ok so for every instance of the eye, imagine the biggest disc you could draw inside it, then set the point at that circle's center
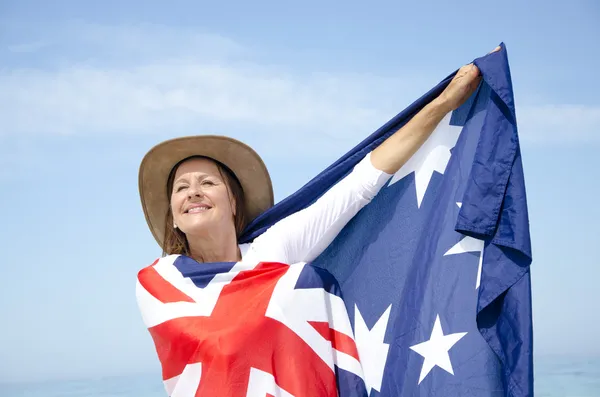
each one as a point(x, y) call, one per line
point(180, 188)
point(207, 182)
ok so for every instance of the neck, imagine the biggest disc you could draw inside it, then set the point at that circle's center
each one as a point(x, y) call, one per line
point(215, 247)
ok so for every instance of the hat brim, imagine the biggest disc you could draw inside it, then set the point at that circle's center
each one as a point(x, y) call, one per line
point(157, 164)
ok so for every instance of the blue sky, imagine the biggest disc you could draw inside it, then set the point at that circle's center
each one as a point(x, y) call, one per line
point(86, 90)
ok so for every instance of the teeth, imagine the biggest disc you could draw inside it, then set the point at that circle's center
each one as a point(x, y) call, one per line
point(197, 209)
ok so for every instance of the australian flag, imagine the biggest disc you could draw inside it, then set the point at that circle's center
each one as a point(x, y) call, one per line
point(434, 272)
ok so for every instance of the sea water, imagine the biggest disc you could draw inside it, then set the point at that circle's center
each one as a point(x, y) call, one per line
point(554, 377)
point(567, 376)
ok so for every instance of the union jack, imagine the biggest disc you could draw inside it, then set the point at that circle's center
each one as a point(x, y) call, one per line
point(246, 329)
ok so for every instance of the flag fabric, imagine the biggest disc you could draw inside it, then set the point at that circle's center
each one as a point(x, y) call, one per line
point(425, 292)
point(247, 329)
point(434, 272)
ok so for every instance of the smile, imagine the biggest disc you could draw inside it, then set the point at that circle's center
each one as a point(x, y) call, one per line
point(195, 210)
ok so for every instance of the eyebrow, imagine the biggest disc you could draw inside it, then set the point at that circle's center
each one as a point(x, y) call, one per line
point(183, 179)
point(180, 180)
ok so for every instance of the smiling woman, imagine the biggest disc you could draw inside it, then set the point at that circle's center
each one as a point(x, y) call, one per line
point(210, 301)
point(217, 190)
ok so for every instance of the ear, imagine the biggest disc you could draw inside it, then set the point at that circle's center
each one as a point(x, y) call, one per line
point(232, 201)
point(233, 205)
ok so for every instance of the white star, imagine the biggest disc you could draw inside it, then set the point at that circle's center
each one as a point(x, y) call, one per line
point(433, 155)
point(435, 350)
point(469, 244)
point(371, 349)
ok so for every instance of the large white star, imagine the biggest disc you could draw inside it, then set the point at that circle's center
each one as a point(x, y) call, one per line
point(469, 244)
point(435, 350)
point(433, 155)
point(371, 349)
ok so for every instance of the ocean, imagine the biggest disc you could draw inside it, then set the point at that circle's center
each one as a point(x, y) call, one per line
point(554, 377)
point(567, 377)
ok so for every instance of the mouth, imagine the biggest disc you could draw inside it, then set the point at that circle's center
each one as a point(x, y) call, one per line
point(197, 209)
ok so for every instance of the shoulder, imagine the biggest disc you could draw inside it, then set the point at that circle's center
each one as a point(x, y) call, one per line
point(161, 261)
point(268, 247)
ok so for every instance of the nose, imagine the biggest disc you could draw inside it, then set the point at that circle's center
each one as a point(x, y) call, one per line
point(195, 191)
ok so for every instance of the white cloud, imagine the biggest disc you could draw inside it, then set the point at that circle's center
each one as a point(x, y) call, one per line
point(182, 97)
point(114, 80)
point(87, 99)
point(151, 79)
point(80, 98)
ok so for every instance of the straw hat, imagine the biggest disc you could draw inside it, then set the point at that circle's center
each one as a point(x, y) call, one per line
point(157, 164)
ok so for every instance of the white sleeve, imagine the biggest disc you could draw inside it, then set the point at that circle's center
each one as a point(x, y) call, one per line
point(303, 236)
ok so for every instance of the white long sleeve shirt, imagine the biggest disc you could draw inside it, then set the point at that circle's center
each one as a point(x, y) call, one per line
point(304, 235)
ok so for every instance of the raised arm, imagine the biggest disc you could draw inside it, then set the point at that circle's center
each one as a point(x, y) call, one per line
point(395, 151)
point(303, 236)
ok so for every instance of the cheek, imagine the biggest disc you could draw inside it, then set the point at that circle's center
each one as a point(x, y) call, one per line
point(175, 205)
point(224, 202)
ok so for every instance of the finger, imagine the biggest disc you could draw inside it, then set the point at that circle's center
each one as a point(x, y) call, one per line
point(470, 69)
point(476, 82)
point(465, 69)
point(495, 50)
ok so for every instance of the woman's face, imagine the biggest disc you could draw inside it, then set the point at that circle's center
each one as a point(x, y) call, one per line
point(200, 199)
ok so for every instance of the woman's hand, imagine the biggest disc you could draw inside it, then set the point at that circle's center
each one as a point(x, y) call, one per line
point(462, 86)
point(395, 151)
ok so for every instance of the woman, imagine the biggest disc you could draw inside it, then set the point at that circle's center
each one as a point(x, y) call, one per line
point(198, 193)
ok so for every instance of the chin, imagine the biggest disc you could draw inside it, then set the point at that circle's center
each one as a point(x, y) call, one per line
point(198, 226)
point(196, 229)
